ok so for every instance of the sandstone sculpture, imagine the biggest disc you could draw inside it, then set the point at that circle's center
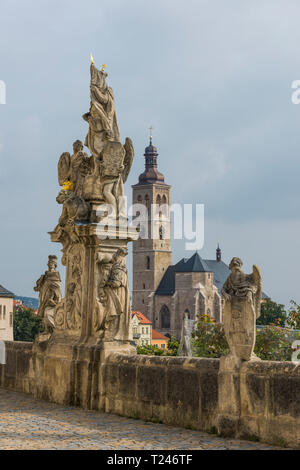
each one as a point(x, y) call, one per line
point(185, 348)
point(242, 295)
point(113, 304)
point(49, 288)
point(96, 307)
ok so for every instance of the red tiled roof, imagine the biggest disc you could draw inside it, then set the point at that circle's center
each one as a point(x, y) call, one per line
point(157, 335)
point(144, 320)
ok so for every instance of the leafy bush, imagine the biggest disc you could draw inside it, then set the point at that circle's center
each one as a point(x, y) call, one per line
point(173, 346)
point(209, 339)
point(273, 344)
point(26, 324)
point(293, 320)
point(150, 350)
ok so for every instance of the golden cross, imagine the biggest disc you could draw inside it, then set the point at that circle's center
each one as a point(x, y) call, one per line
point(151, 128)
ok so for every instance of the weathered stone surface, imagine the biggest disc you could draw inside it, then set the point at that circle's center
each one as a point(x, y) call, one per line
point(173, 390)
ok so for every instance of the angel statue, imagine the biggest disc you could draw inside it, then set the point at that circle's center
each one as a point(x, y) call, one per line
point(242, 294)
point(49, 288)
point(73, 169)
point(101, 117)
point(115, 164)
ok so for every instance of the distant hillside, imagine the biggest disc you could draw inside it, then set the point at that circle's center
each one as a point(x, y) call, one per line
point(28, 301)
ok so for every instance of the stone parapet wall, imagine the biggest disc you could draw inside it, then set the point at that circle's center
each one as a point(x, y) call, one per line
point(187, 392)
point(171, 390)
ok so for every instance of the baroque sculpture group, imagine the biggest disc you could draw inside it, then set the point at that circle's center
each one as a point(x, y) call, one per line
point(97, 302)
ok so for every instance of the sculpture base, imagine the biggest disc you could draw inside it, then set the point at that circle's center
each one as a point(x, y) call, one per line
point(69, 372)
point(229, 393)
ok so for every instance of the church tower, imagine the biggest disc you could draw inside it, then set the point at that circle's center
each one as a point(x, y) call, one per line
point(151, 252)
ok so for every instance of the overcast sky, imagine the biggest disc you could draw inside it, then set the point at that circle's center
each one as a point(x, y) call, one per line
point(212, 77)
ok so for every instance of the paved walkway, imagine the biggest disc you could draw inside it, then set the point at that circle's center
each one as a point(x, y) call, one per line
point(29, 424)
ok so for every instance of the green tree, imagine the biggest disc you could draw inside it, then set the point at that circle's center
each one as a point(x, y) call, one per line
point(173, 346)
point(272, 313)
point(209, 339)
point(273, 344)
point(26, 324)
point(293, 320)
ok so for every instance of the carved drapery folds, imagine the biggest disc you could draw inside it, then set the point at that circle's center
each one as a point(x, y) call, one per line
point(49, 288)
point(112, 309)
point(242, 295)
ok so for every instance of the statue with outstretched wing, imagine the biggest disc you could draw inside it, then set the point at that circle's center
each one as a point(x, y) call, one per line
point(128, 159)
point(64, 167)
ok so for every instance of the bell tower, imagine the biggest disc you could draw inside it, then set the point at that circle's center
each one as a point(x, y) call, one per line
point(152, 251)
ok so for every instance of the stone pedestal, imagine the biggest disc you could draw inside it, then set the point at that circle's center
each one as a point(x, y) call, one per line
point(229, 395)
point(67, 365)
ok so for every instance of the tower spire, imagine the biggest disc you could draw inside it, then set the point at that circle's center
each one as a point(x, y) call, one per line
point(151, 173)
point(218, 253)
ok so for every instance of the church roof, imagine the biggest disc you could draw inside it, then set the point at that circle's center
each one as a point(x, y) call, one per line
point(195, 263)
point(6, 293)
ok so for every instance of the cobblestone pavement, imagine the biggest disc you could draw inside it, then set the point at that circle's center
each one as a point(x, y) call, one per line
point(29, 424)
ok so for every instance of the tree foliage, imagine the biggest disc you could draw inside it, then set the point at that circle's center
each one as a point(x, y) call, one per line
point(173, 346)
point(209, 339)
point(273, 344)
point(26, 324)
point(293, 319)
point(272, 313)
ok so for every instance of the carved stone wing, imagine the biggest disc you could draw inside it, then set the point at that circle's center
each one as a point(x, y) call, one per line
point(63, 167)
point(128, 146)
point(258, 282)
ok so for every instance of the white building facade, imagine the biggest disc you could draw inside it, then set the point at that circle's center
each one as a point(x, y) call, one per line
point(6, 315)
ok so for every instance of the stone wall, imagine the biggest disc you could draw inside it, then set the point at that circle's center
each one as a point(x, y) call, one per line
point(173, 390)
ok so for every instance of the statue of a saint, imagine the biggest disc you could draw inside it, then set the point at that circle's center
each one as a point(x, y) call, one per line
point(113, 298)
point(242, 294)
point(49, 288)
point(102, 118)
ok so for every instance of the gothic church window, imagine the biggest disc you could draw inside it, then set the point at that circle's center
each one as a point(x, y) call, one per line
point(165, 317)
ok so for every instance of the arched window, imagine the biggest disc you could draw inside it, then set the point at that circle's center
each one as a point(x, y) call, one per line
point(161, 233)
point(187, 313)
point(165, 317)
point(139, 199)
point(147, 201)
point(158, 199)
point(147, 262)
point(164, 199)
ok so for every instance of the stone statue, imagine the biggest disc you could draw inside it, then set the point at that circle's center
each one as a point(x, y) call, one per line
point(96, 305)
point(116, 161)
point(74, 169)
point(49, 288)
point(185, 348)
point(101, 117)
point(75, 209)
point(242, 294)
point(113, 302)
